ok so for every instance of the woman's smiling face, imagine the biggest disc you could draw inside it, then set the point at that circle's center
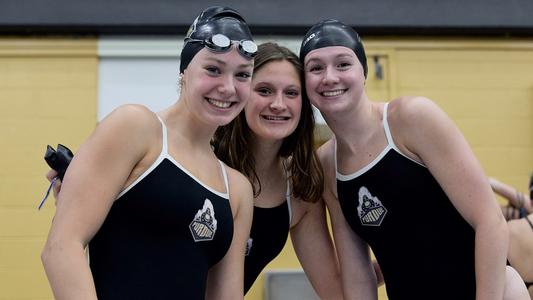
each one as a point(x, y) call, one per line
point(273, 110)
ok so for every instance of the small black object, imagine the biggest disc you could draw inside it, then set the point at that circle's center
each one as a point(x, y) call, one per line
point(58, 159)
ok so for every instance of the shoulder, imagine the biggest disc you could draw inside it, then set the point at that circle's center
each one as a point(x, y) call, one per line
point(416, 117)
point(132, 115)
point(130, 120)
point(326, 152)
point(412, 109)
point(131, 128)
point(326, 156)
point(240, 190)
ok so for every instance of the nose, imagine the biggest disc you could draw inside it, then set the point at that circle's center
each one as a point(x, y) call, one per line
point(330, 76)
point(278, 103)
point(226, 86)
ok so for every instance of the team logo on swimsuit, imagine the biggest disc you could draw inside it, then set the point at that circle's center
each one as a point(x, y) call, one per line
point(204, 224)
point(371, 211)
point(249, 244)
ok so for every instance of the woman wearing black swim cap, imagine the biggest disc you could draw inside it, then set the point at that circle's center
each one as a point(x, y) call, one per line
point(162, 216)
point(402, 179)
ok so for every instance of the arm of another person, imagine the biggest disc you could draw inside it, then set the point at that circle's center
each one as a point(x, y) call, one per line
point(95, 176)
point(515, 197)
point(429, 133)
point(314, 248)
point(357, 274)
point(226, 279)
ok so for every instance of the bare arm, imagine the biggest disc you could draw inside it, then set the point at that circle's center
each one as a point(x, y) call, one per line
point(314, 248)
point(426, 131)
point(226, 279)
point(357, 274)
point(94, 178)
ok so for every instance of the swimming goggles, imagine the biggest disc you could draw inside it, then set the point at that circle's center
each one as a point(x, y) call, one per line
point(220, 43)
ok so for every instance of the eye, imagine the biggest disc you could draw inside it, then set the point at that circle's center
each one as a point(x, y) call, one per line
point(263, 91)
point(243, 76)
point(292, 93)
point(344, 65)
point(212, 70)
point(314, 68)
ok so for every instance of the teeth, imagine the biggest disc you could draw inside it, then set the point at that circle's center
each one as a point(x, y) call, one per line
point(275, 118)
point(333, 93)
point(219, 104)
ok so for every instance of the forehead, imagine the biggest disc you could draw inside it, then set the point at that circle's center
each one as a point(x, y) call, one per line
point(229, 58)
point(277, 70)
point(328, 53)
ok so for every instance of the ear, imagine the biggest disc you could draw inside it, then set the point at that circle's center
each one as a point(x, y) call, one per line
point(181, 78)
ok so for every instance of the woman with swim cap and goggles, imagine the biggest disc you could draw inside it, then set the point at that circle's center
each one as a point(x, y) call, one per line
point(278, 123)
point(400, 178)
point(162, 217)
point(277, 90)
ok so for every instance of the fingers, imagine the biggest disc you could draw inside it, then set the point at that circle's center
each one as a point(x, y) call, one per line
point(51, 174)
point(513, 213)
point(510, 213)
point(57, 185)
point(529, 205)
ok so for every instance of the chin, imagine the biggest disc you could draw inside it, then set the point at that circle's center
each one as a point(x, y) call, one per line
point(223, 122)
point(278, 136)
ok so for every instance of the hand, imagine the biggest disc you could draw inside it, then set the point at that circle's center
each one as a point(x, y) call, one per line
point(57, 185)
point(510, 212)
point(528, 205)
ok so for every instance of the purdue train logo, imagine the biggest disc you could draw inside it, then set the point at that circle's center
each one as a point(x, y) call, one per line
point(204, 225)
point(249, 244)
point(371, 211)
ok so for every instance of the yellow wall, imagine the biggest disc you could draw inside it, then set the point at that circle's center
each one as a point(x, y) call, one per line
point(485, 86)
point(48, 95)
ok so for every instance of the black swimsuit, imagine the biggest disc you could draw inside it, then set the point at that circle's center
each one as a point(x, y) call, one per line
point(268, 235)
point(161, 235)
point(421, 241)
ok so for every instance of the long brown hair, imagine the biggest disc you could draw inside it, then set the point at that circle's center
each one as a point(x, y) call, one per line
point(232, 142)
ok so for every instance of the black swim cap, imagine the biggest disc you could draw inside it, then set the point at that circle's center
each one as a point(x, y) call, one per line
point(333, 33)
point(211, 21)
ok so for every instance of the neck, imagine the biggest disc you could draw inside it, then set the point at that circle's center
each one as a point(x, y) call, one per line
point(354, 123)
point(186, 126)
point(266, 155)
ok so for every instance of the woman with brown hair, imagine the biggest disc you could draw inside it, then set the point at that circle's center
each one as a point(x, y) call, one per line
point(271, 142)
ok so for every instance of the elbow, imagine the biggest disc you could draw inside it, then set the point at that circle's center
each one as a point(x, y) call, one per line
point(494, 226)
point(52, 251)
point(47, 255)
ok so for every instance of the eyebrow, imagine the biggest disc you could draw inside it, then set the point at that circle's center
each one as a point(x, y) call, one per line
point(247, 65)
point(342, 55)
point(270, 84)
point(310, 61)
